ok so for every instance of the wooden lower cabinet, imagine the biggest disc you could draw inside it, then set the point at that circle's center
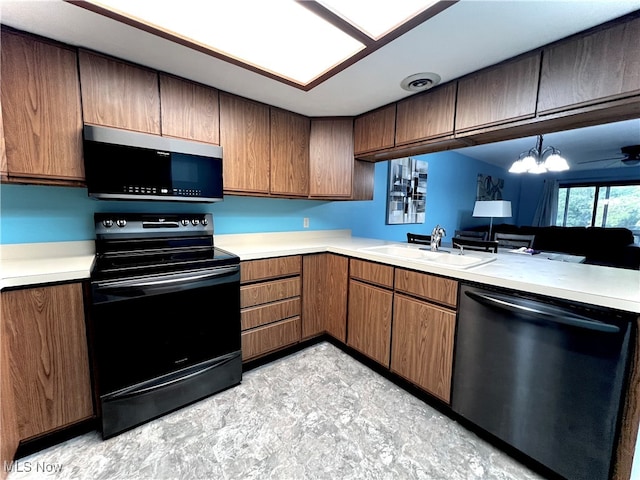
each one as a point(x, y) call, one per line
point(9, 436)
point(369, 320)
point(270, 305)
point(324, 302)
point(422, 346)
point(48, 359)
point(268, 338)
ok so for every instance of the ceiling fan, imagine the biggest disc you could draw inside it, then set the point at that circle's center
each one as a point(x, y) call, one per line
point(629, 156)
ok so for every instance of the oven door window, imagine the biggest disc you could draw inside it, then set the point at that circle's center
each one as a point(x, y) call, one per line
point(142, 335)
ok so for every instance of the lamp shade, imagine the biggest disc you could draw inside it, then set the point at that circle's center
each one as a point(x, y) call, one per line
point(492, 208)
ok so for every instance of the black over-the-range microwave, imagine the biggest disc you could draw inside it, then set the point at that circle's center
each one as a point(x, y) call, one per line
point(125, 165)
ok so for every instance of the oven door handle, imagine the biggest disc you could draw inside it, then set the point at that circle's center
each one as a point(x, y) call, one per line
point(172, 280)
point(170, 379)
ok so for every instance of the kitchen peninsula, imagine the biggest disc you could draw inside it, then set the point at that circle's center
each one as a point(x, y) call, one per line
point(615, 289)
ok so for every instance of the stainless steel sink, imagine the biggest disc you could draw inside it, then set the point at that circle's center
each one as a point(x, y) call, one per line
point(419, 254)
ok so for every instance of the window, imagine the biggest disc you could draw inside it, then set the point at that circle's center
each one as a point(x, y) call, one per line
point(600, 205)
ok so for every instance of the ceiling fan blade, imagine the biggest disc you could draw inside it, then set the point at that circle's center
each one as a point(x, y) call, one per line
point(601, 160)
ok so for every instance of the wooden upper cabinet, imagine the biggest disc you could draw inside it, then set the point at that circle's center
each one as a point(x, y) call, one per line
point(48, 357)
point(426, 115)
point(331, 157)
point(118, 94)
point(375, 130)
point(3, 146)
point(40, 99)
point(363, 180)
point(604, 65)
point(245, 140)
point(189, 110)
point(289, 153)
point(500, 94)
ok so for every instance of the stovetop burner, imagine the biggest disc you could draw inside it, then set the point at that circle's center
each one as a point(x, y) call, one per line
point(143, 244)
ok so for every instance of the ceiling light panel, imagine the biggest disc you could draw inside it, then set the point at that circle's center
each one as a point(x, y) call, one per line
point(376, 18)
point(278, 36)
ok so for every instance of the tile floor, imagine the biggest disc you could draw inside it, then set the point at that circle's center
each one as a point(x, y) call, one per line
point(316, 414)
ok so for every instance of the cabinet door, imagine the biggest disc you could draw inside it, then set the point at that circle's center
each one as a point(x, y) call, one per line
point(604, 65)
point(244, 136)
point(118, 94)
point(48, 357)
point(331, 158)
point(499, 94)
point(41, 110)
point(9, 436)
point(363, 180)
point(289, 153)
point(324, 295)
point(422, 346)
point(427, 115)
point(189, 110)
point(369, 321)
point(375, 130)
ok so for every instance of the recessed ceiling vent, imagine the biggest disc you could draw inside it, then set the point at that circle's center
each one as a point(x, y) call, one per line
point(420, 81)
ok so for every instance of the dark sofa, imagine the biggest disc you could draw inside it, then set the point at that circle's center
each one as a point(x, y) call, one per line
point(612, 247)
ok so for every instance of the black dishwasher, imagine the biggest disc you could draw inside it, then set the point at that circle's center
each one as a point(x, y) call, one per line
point(546, 376)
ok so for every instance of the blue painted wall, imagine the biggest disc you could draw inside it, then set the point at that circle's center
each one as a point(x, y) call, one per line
point(451, 193)
point(55, 214)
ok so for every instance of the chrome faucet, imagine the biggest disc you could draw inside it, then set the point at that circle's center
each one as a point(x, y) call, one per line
point(436, 237)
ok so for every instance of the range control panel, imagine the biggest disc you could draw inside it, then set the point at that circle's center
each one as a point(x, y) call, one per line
point(110, 224)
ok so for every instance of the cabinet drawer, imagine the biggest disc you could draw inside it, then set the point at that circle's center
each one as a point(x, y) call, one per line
point(422, 345)
point(372, 272)
point(266, 292)
point(270, 337)
point(270, 268)
point(272, 312)
point(429, 287)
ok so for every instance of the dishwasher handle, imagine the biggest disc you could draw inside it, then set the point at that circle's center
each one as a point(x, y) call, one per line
point(535, 309)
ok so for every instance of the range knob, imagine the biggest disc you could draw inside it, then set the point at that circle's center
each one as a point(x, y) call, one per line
point(121, 222)
point(184, 222)
point(107, 223)
point(204, 221)
point(195, 221)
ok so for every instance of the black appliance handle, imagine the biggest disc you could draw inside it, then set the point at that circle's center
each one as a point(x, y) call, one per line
point(170, 379)
point(170, 279)
point(541, 310)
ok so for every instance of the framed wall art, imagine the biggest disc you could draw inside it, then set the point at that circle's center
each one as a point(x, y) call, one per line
point(489, 188)
point(407, 191)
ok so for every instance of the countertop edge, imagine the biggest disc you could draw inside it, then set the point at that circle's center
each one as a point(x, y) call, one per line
point(22, 272)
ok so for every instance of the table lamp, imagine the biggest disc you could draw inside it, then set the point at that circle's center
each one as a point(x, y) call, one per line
point(492, 208)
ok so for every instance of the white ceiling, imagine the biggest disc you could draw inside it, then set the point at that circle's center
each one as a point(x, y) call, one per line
point(469, 35)
point(587, 144)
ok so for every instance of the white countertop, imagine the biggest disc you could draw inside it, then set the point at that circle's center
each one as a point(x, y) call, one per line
point(24, 264)
point(29, 264)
